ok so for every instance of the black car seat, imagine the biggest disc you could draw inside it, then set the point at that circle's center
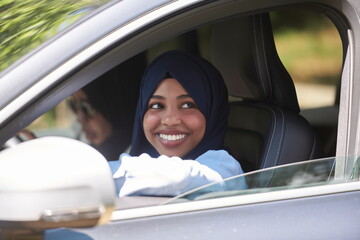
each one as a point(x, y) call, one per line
point(265, 127)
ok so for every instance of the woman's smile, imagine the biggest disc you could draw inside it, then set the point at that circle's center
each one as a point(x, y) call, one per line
point(167, 137)
point(170, 140)
point(173, 124)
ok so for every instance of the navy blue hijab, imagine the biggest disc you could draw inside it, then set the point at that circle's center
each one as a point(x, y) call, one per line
point(204, 84)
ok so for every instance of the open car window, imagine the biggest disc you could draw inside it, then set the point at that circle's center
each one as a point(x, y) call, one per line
point(315, 84)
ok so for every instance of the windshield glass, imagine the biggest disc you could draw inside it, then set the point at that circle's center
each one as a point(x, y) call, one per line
point(298, 175)
point(26, 24)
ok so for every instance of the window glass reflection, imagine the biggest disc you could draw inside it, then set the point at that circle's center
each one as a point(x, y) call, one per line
point(298, 175)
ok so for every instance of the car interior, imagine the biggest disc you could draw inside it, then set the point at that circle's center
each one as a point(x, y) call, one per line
point(267, 125)
point(264, 126)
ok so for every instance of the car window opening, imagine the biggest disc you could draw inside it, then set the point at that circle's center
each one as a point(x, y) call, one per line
point(252, 138)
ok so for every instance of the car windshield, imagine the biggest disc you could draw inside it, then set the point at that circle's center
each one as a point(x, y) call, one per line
point(26, 24)
point(298, 175)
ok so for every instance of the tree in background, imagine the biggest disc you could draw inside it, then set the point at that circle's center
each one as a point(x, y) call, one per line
point(25, 24)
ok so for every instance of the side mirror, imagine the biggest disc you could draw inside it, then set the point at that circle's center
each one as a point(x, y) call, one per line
point(54, 182)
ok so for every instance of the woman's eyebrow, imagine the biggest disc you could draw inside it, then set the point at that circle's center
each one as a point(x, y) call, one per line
point(184, 96)
point(157, 97)
point(178, 97)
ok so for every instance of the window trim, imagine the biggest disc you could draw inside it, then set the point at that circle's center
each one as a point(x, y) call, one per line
point(345, 114)
point(258, 198)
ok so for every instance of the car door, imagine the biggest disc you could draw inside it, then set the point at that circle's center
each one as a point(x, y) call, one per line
point(303, 200)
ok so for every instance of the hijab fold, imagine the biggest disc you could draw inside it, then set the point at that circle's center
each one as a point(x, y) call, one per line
point(204, 84)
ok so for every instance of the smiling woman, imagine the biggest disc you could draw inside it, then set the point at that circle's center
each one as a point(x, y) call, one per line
point(182, 114)
point(173, 124)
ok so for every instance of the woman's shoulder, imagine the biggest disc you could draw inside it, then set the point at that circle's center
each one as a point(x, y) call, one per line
point(216, 153)
point(219, 156)
point(221, 161)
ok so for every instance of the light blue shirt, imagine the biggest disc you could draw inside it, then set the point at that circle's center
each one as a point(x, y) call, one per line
point(171, 176)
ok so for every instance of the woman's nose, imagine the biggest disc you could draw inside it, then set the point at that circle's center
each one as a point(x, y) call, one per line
point(171, 118)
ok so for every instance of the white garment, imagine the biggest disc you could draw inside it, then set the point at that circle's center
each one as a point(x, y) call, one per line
point(171, 176)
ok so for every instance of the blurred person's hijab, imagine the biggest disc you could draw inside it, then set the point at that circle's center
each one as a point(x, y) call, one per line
point(114, 95)
point(204, 84)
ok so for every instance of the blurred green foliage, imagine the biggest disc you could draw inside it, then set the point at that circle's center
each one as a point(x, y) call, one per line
point(309, 45)
point(25, 24)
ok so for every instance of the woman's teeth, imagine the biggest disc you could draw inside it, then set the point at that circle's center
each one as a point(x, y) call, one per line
point(172, 137)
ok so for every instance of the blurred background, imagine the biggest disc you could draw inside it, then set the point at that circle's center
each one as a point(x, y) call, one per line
point(310, 47)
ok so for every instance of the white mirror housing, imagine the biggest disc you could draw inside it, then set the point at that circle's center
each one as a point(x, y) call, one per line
point(54, 182)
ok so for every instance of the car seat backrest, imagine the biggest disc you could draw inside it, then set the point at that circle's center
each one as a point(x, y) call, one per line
point(265, 127)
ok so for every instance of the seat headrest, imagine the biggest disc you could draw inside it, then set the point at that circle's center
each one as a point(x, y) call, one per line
point(244, 51)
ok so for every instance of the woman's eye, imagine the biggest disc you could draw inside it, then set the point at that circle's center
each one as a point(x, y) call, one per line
point(155, 106)
point(189, 105)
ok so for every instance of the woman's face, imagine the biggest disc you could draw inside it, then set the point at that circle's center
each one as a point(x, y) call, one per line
point(94, 125)
point(173, 124)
